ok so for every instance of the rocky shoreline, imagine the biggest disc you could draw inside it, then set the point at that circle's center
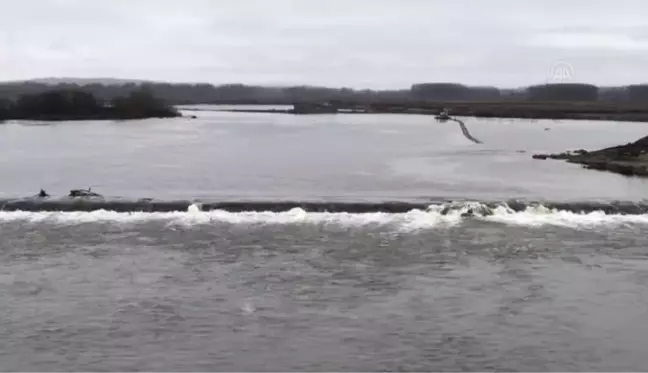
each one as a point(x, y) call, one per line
point(630, 159)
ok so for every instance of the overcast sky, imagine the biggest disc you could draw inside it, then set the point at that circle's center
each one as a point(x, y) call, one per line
point(353, 43)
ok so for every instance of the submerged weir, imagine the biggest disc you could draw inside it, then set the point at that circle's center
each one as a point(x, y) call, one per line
point(33, 204)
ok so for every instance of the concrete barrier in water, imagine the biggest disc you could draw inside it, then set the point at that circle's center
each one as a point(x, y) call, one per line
point(465, 132)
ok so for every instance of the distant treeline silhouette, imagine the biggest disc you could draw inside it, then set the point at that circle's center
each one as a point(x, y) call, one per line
point(68, 103)
point(177, 94)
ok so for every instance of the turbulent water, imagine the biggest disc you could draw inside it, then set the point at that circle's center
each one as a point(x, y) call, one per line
point(277, 249)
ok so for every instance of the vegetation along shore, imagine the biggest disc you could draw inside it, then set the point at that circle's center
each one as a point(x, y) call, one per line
point(521, 110)
point(76, 104)
point(545, 101)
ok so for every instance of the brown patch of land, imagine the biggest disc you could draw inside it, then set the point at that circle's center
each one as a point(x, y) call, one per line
point(503, 109)
point(630, 159)
point(551, 110)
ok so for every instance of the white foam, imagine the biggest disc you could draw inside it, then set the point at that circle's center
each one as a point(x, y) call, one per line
point(539, 215)
point(409, 221)
point(415, 219)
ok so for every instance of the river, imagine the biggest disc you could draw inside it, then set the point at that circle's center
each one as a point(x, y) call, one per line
point(537, 289)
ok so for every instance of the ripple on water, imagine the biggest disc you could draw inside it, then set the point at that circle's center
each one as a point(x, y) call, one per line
point(287, 298)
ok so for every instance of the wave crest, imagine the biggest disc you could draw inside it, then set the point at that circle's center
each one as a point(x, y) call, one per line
point(441, 215)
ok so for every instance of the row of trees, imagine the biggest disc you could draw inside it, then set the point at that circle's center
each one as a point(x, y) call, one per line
point(546, 92)
point(178, 94)
point(454, 92)
point(70, 104)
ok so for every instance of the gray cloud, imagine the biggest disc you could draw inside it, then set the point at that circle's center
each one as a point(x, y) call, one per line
point(359, 43)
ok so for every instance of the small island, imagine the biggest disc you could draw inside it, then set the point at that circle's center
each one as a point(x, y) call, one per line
point(630, 159)
point(70, 104)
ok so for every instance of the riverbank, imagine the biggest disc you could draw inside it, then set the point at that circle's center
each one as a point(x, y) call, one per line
point(77, 105)
point(630, 159)
point(522, 110)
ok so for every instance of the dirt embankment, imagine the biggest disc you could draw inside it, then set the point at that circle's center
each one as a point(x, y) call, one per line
point(630, 159)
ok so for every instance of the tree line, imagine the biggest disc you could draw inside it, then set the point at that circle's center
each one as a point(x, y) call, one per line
point(178, 94)
point(66, 103)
